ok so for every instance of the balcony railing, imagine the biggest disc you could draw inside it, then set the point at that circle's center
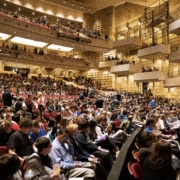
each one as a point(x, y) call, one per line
point(128, 44)
point(172, 82)
point(105, 64)
point(156, 51)
point(174, 57)
point(174, 27)
point(125, 69)
point(153, 76)
point(46, 60)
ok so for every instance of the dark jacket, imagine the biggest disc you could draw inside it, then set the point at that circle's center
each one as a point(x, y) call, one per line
point(79, 152)
point(35, 169)
point(85, 142)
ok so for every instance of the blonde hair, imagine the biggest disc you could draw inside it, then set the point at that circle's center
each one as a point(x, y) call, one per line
point(71, 127)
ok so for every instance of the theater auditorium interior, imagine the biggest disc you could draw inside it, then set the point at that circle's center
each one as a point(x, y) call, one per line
point(106, 45)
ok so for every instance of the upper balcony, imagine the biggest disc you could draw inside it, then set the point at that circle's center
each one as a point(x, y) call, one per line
point(128, 44)
point(174, 57)
point(23, 28)
point(156, 51)
point(174, 27)
point(125, 69)
point(107, 64)
point(172, 82)
point(153, 76)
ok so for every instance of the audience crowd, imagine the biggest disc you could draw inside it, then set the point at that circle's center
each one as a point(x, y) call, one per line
point(80, 136)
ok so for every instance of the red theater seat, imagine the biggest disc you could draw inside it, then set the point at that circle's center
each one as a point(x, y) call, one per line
point(3, 150)
point(135, 169)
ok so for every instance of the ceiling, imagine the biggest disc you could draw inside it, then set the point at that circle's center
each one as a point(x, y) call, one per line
point(92, 6)
point(86, 6)
point(100, 4)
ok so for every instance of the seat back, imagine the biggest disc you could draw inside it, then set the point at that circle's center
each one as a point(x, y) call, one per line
point(135, 169)
point(3, 150)
point(135, 154)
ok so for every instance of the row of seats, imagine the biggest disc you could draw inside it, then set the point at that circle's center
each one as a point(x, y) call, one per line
point(135, 166)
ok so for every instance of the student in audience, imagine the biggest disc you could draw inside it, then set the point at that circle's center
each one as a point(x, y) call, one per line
point(106, 129)
point(5, 132)
point(61, 153)
point(83, 138)
point(36, 131)
point(15, 126)
point(9, 167)
point(144, 143)
point(158, 164)
point(19, 142)
point(82, 155)
point(104, 141)
point(39, 164)
point(7, 97)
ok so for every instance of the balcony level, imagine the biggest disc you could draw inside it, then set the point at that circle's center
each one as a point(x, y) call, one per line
point(125, 69)
point(156, 51)
point(8, 55)
point(128, 44)
point(172, 82)
point(174, 56)
point(174, 27)
point(107, 64)
point(153, 76)
point(25, 29)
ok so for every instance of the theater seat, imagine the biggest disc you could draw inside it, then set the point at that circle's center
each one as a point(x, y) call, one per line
point(135, 169)
point(135, 155)
point(3, 150)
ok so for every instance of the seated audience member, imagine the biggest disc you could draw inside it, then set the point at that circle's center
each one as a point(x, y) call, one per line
point(82, 155)
point(137, 119)
point(42, 121)
point(61, 153)
point(161, 124)
point(151, 127)
point(104, 141)
point(19, 104)
point(102, 129)
point(19, 142)
point(127, 125)
point(79, 153)
point(52, 126)
point(144, 142)
point(2, 111)
point(9, 116)
point(5, 132)
point(36, 131)
point(151, 124)
point(39, 164)
point(9, 167)
point(83, 138)
point(158, 164)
